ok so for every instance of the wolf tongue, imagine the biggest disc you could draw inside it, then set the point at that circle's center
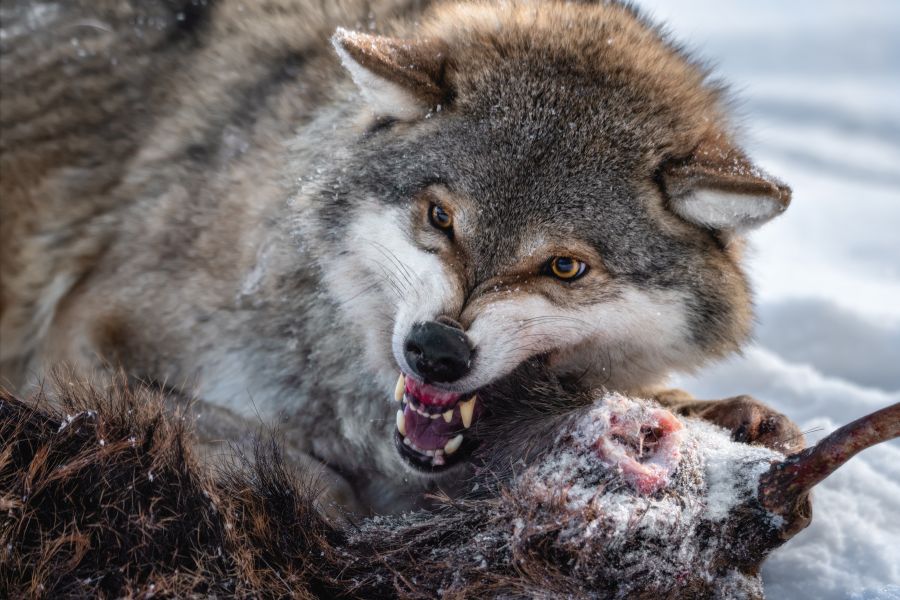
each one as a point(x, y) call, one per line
point(428, 434)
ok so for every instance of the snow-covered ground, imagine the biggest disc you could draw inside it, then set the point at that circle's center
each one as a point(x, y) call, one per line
point(819, 90)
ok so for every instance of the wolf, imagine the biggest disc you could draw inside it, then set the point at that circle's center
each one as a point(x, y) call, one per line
point(350, 220)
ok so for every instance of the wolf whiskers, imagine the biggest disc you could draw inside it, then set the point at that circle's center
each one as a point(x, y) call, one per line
point(392, 256)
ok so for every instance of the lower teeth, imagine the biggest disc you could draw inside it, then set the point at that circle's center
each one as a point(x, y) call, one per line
point(438, 455)
point(454, 444)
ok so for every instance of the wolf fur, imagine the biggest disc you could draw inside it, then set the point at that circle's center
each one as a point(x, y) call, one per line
point(201, 194)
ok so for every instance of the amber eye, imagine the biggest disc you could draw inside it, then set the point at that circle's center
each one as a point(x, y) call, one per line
point(440, 218)
point(566, 268)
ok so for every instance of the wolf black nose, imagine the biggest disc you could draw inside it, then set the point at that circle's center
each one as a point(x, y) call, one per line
point(437, 352)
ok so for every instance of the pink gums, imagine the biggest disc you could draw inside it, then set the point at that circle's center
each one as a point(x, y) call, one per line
point(622, 446)
point(430, 396)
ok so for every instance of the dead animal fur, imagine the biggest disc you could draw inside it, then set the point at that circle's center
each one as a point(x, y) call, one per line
point(101, 495)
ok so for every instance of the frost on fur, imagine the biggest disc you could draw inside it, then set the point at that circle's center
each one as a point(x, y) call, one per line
point(114, 503)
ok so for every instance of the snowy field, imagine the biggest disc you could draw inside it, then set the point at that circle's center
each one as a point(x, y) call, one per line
point(819, 91)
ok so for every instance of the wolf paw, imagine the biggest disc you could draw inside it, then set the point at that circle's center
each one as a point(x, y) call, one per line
point(751, 422)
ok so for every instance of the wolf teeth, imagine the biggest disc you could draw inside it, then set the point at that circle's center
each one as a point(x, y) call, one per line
point(448, 416)
point(466, 409)
point(453, 445)
point(400, 388)
point(438, 455)
point(401, 423)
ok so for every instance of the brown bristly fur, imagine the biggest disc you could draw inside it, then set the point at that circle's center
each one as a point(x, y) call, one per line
point(114, 504)
point(102, 495)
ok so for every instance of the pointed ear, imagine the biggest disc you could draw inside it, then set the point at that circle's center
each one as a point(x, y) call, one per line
point(718, 187)
point(403, 79)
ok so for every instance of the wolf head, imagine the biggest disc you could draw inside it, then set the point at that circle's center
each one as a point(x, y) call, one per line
point(538, 179)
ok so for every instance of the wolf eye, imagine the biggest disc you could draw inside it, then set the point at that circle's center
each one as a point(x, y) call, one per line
point(566, 268)
point(440, 218)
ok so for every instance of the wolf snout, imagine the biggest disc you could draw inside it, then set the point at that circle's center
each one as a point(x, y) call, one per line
point(438, 352)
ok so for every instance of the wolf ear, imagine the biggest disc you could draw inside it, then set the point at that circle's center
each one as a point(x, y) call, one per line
point(718, 187)
point(403, 79)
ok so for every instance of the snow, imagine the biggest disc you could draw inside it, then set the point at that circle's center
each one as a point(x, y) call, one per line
point(818, 87)
point(888, 592)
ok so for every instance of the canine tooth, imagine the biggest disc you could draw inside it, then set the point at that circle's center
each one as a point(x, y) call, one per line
point(466, 409)
point(401, 423)
point(400, 388)
point(448, 416)
point(453, 445)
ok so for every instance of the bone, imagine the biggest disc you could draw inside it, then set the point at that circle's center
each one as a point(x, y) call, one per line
point(789, 481)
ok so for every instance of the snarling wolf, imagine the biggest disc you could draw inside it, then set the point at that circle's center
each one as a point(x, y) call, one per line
point(278, 207)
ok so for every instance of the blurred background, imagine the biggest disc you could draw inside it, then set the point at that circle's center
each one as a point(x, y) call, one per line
point(818, 90)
